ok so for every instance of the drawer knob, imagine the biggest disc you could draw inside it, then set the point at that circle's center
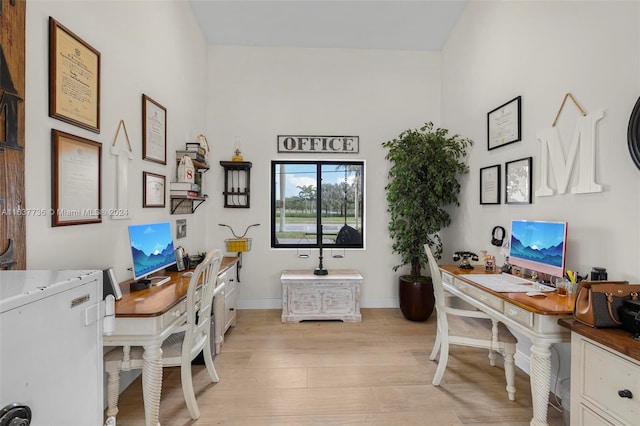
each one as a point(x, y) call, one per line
point(625, 393)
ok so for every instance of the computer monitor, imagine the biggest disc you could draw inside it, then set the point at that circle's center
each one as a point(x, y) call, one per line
point(151, 248)
point(538, 245)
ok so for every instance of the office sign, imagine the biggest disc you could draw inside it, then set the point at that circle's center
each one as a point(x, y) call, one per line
point(305, 144)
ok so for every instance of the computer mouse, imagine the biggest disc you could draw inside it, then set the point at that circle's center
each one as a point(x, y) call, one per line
point(536, 294)
point(188, 274)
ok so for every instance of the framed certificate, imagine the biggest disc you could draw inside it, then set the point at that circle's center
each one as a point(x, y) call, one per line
point(154, 131)
point(74, 79)
point(76, 181)
point(518, 181)
point(154, 190)
point(503, 124)
point(490, 185)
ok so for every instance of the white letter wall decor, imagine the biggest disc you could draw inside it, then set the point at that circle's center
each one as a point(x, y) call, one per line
point(552, 153)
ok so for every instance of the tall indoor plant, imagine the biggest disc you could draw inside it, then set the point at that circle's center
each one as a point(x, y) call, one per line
point(425, 166)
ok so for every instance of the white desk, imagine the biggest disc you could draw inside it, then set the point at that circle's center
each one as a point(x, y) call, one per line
point(536, 318)
point(147, 317)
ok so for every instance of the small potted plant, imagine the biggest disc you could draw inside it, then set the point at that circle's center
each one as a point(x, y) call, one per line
point(423, 179)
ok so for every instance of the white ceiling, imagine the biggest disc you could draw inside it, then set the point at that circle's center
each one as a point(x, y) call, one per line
point(359, 24)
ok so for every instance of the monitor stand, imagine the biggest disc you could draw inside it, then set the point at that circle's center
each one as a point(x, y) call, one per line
point(140, 284)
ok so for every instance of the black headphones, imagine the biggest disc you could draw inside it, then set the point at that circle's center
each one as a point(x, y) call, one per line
point(497, 241)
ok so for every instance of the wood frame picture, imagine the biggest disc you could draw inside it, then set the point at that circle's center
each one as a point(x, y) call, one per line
point(154, 190)
point(517, 183)
point(154, 131)
point(76, 180)
point(504, 124)
point(74, 79)
point(490, 185)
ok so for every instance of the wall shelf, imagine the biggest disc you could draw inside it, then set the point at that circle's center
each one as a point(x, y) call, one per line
point(237, 182)
point(185, 204)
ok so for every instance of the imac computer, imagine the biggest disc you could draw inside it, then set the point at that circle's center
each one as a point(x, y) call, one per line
point(539, 246)
point(151, 251)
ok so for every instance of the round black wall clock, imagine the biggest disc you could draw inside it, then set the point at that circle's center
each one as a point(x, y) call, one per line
point(633, 134)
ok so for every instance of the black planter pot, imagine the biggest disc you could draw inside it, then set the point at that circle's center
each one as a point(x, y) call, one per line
point(416, 298)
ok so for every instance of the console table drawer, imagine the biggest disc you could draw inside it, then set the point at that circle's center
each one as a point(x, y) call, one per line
point(520, 315)
point(608, 375)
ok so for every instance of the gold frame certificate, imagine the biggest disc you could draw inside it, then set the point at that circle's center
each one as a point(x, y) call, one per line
point(74, 78)
point(76, 180)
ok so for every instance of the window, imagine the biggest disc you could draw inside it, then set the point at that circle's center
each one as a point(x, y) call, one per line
point(317, 199)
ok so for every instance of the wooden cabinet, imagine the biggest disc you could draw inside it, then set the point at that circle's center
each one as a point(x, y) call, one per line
point(605, 384)
point(335, 296)
point(225, 305)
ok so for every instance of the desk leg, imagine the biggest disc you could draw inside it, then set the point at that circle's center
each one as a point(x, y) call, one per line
point(152, 383)
point(219, 313)
point(540, 365)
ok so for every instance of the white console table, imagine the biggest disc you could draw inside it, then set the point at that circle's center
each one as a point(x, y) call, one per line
point(335, 296)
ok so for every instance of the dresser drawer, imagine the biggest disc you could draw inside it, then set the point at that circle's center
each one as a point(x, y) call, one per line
point(605, 374)
point(586, 417)
point(518, 314)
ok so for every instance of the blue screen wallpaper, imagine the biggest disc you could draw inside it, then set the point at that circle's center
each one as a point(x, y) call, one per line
point(541, 242)
point(151, 247)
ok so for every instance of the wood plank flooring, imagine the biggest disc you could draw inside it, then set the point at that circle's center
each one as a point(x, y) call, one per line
point(376, 372)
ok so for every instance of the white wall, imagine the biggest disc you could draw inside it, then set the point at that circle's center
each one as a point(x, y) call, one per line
point(155, 48)
point(540, 51)
point(259, 93)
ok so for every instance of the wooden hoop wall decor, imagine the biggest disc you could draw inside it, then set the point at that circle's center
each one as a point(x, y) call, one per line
point(633, 134)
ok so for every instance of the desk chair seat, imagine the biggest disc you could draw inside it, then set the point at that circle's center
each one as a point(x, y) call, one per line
point(468, 327)
point(179, 348)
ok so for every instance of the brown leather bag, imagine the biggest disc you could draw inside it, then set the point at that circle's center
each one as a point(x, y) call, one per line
point(597, 302)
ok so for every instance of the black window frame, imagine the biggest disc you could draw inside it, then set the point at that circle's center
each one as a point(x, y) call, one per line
point(319, 163)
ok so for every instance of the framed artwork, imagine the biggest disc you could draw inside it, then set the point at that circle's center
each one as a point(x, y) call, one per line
point(76, 184)
point(503, 124)
point(154, 131)
point(490, 185)
point(74, 79)
point(181, 228)
point(154, 190)
point(517, 181)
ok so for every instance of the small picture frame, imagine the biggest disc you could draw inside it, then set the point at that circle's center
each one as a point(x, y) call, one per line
point(74, 79)
point(154, 131)
point(503, 124)
point(517, 181)
point(154, 190)
point(490, 185)
point(181, 228)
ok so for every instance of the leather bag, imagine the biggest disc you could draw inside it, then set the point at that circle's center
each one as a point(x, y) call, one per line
point(598, 302)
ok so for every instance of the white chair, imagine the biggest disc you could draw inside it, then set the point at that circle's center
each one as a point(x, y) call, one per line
point(468, 328)
point(181, 347)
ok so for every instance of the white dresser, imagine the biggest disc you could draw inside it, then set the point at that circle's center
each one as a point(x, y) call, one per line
point(335, 296)
point(605, 377)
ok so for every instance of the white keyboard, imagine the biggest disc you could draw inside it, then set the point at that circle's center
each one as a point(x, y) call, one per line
point(158, 281)
point(507, 283)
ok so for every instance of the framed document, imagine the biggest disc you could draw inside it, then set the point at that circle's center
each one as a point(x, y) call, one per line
point(74, 79)
point(76, 184)
point(154, 131)
point(503, 124)
point(490, 185)
point(518, 181)
point(154, 190)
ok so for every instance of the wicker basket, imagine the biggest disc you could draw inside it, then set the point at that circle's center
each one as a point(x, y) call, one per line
point(238, 244)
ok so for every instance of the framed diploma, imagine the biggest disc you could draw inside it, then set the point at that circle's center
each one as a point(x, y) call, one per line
point(74, 79)
point(154, 131)
point(503, 124)
point(517, 176)
point(154, 190)
point(76, 184)
point(490, 185)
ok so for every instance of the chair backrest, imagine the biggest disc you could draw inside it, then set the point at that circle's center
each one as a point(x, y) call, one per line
point(436, 278)
point(199, 308)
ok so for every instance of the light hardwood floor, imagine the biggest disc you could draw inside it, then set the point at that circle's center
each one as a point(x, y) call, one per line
point(376, 372)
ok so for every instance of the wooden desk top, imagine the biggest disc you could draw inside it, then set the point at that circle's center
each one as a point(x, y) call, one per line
point(550, 305)
point(615, 338)
point(156, 300)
